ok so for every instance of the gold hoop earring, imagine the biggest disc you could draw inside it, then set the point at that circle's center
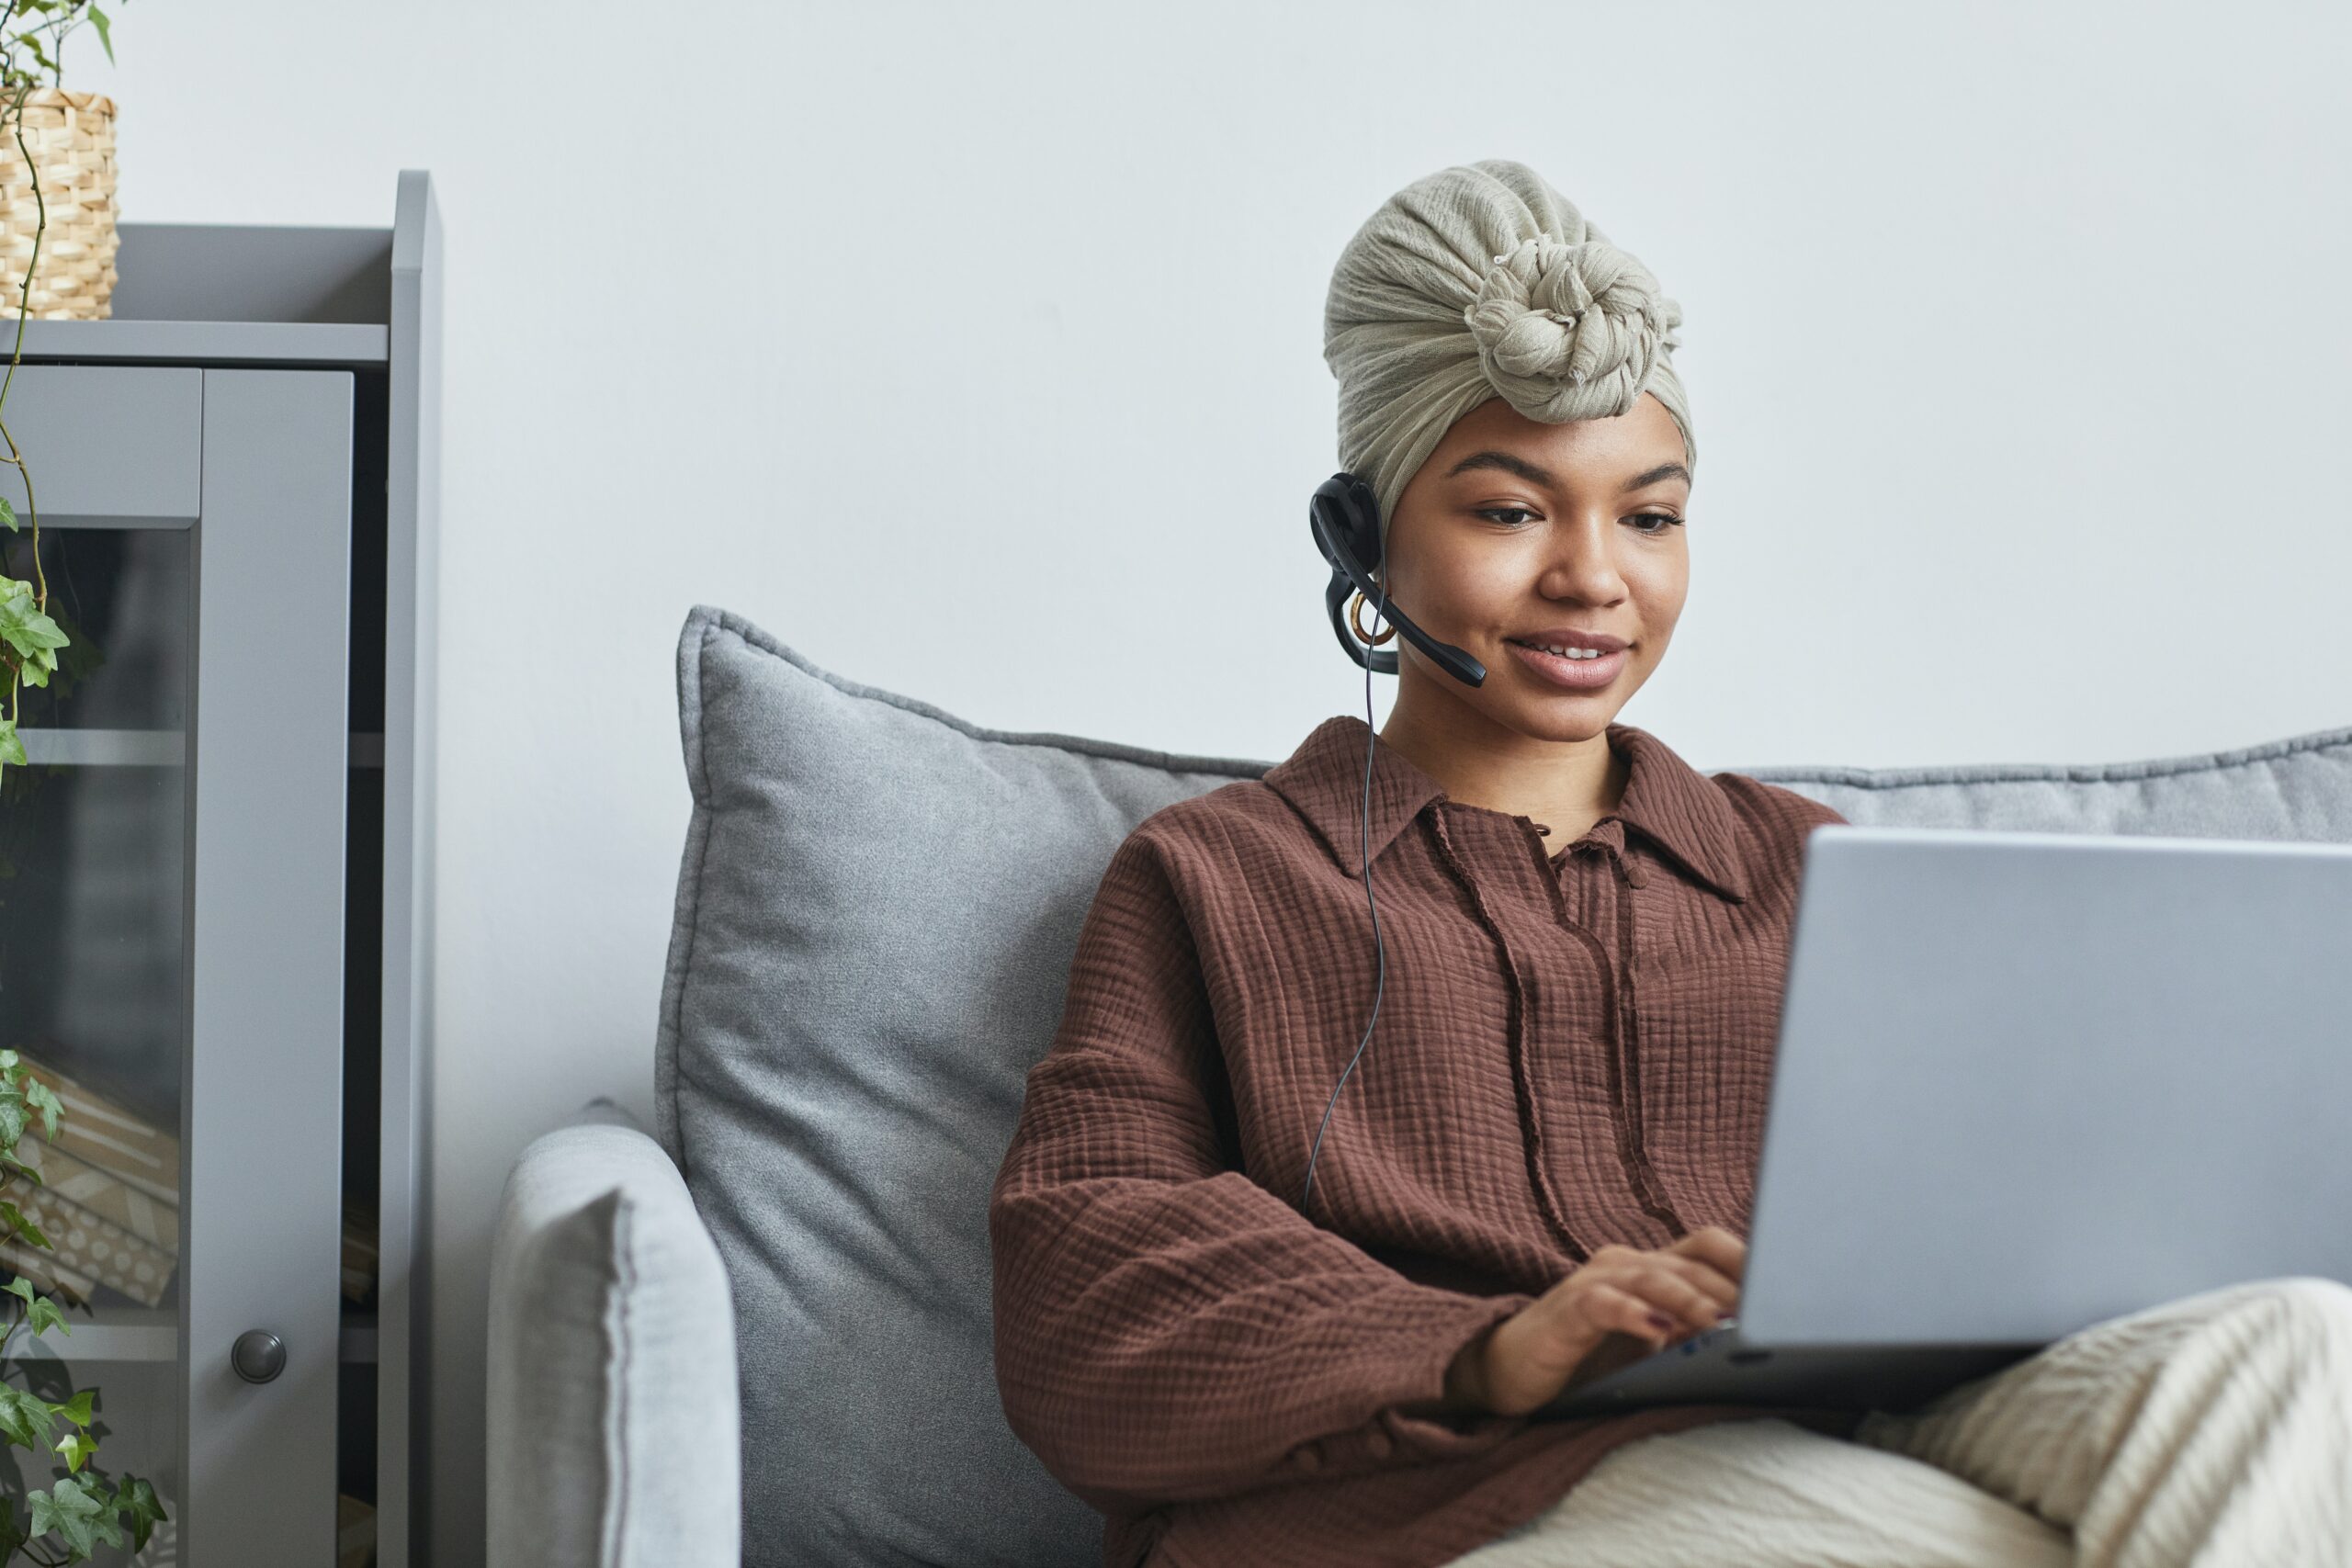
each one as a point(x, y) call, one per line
point(1356, 619)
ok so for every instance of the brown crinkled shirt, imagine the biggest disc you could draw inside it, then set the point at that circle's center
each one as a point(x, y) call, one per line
point(1573, 1046)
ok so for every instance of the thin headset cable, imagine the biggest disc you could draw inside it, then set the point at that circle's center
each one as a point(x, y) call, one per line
point(1372, 741)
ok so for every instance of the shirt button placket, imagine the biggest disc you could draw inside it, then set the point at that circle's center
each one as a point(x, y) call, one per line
point(1636, 876)
point(1632, 875)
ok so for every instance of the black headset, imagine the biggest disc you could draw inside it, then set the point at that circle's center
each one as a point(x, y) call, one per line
point(1345, 515)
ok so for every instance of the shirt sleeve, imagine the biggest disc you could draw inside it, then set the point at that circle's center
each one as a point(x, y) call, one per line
point(1165, 1328)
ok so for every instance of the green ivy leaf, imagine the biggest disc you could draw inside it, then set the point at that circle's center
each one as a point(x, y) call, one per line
point(8, 1158)
point(8, 516)
point(44, 1100)
point(12, 1118)
point(98, 20)
point(41, 1313)
point(36, 622)
point(33, 634)
point(77, 1409)
point(146, 1508)
point(73, 1512)
point(12, 749)
point(24, 1420)
point(75, 1449)
point(12, 1216)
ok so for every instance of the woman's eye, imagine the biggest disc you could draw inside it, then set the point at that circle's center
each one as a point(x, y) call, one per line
point(1664, 520)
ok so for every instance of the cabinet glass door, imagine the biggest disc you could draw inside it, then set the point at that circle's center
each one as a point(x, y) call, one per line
point(171, 929)
point(94, 996)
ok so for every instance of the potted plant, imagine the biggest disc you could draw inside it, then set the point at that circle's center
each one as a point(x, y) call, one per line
point(76, 132)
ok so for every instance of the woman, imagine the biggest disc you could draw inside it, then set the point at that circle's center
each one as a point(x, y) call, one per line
point(1255, 1322)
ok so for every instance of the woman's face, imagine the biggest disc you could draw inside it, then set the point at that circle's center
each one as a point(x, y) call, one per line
point(1514, 528)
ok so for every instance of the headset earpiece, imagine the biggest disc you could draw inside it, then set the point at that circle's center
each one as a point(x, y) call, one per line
point(1345, 514)
point(1360, 515)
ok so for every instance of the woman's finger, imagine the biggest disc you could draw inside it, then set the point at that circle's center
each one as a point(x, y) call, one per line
point(1705, 1275)
point(1686, 1288)
point(1717, 1246)
point(1608, 1306)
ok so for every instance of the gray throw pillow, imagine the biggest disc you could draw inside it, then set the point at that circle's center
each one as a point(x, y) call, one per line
point(876, 911)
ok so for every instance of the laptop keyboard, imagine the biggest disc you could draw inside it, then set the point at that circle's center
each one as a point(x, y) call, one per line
point(1703, 1338)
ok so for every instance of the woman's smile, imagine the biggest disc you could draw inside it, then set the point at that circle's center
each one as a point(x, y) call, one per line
point(1576, 673)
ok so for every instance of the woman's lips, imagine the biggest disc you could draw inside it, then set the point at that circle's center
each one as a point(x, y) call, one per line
point(1576, 674)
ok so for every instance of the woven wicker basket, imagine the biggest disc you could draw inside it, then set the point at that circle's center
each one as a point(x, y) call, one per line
point(71, 137)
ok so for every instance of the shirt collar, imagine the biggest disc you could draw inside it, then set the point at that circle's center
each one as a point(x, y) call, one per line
point(1667, 800)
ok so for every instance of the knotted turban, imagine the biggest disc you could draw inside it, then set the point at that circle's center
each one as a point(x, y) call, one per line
point(1480, 281)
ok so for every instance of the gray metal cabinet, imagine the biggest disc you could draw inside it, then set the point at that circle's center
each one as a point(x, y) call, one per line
point(215, 898)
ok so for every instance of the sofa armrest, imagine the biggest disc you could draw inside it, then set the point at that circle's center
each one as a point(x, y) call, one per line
point(614, 1432)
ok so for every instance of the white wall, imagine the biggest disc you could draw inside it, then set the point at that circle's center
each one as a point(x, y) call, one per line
point(975, 352)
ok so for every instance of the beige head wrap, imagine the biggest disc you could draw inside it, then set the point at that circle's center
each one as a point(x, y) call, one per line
point(1479, 281)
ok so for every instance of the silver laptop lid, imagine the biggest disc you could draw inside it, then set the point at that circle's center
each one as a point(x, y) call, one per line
point(2028, 1081)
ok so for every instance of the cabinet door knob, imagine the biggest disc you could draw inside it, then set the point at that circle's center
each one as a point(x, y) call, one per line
point(258, 1355)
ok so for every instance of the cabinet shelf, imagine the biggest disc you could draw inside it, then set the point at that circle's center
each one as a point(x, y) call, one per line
point(256, 343)
point(149, 747)
point(105, 748)
point(152, 1334)
point(114, 1333)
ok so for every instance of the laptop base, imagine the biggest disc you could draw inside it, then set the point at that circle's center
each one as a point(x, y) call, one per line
point(1719, 1367)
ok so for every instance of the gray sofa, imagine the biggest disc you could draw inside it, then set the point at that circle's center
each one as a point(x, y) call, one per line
point(758, 1332)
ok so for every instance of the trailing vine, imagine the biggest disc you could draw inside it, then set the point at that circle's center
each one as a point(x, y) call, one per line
point(30, 639)
point(81, 1507)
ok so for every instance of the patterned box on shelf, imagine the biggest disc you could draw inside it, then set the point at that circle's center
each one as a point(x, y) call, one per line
point(122, 1173)
point(102, 1193)
point(101, 1133)
point(44, 1272)
point(86, 1244)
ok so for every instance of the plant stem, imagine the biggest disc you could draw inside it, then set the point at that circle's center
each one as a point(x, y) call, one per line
point(23, 305)
point(15, 121)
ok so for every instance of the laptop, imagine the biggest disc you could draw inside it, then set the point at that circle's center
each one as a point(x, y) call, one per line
point(2025, 1081)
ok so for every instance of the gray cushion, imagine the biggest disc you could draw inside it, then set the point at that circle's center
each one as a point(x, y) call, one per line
point(611, 1410)
point(2298, 788)
point(876, 915)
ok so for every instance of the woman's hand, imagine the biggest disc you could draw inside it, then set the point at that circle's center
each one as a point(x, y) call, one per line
point(1619, 1305)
